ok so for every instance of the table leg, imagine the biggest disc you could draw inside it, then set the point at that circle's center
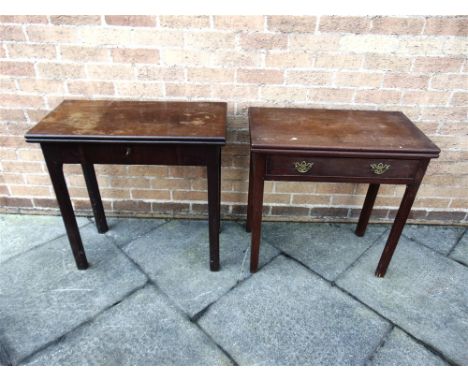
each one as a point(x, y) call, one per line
point(397, 228)
point(249, 201)
point(258, 166)
point(214, 187)
point(367, 209)
point(63, 198)
point(95, 197)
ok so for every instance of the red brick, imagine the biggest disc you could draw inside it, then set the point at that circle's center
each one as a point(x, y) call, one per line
point(241, 23)
point(145, 56)
point(45, 203)
point(459, 99)
point(12, 33)
point(450, 81)
point(387, 62)
point(53, 33)
point(336, 61)
point(288, 24)
point(377, 96)
point(343, 24)
point(263, 41)
point(410, 81)
point(131, 206)
point(183, 22)
point(29, 51)
point(157, 73)
point(15, 202)
point(437, 64)
point(75, 20)
point(210, 75)
point(187, 90)
point(90, 88)
point(210, 40)
point(23, 101)
point(358, 79)
point(24, 19)
point(290, 211)
point(134, 21)
point(84, 53)
point(448, 26)
point(396, 25)
point(170, 208)
point(60, 71)
point(41, 86)
point(14, 68)
point(307, 77)
point(329, 212)
point(260, 76)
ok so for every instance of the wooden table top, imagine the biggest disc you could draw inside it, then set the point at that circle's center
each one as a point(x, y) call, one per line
point(133, 121)
point(336, 130)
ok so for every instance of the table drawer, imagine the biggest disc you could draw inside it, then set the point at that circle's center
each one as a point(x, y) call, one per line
point(324, 167)
point(129, 153)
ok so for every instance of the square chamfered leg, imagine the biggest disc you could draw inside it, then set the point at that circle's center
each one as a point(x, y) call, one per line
point(397, 229)
point(256, 207)
point(249, 202)
point(55, 167)
point(95, 197)
point(214, 201)
point(367, 209)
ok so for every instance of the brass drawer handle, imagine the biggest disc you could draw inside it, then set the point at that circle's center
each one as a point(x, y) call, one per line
point(128, 152)
point(303, 166)
point(379, 168)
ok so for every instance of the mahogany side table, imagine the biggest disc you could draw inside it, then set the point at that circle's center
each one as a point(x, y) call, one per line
point(375, 147)
point(128, 132)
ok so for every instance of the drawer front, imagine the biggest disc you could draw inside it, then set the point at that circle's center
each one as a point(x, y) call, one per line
point(122, 153)
point(324, 167)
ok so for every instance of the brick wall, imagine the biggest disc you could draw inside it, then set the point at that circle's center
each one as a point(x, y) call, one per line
point(413, 64)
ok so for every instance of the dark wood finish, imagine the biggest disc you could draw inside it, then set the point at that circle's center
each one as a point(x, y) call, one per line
point(336, 146)
point(367, 209)
point(331, 168)
point(214, 190)
point(95, 197)
point(249, 203)
point(255, 219)
point(336, 130)
point(57, 177)
point(127, 132)
point(133, 121)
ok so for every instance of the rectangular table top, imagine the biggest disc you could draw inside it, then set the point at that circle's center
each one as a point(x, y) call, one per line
point(337, 130)
point(133, 121)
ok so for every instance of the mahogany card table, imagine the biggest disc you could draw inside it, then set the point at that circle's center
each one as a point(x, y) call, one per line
point(374, 147)
point(129, 133)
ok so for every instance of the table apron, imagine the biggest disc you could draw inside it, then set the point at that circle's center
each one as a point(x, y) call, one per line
point(141, 154)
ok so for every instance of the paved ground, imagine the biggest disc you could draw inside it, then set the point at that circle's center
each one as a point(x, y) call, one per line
point(149, 299)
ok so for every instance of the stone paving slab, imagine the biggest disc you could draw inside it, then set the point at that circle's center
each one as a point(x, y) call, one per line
point(460, 252)
point(176, 257)
point(439, 238)
point(141, 330)
point(285, 315)
point(401, 350)
point(326, 248)
point(424, 293)
point(19, 233)
point(43, 295)
point(123, 231)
